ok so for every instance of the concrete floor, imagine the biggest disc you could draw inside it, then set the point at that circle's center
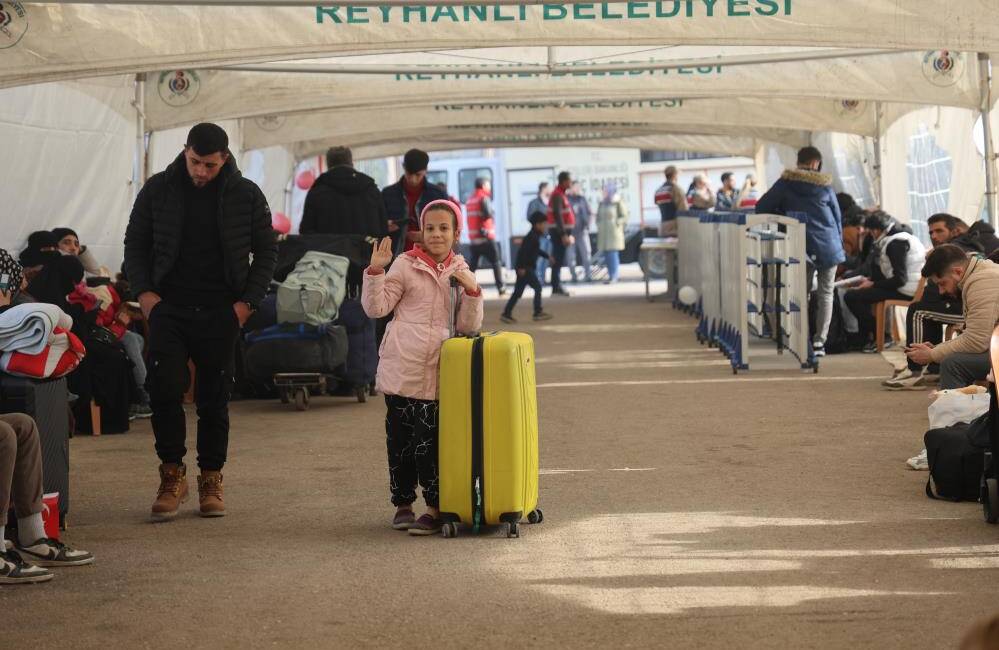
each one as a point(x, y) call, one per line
point(686, 509)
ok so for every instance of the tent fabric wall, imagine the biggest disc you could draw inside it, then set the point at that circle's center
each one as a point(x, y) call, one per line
point(907, 77)
point(47, 42)
point(271, 169)
point(69, 168)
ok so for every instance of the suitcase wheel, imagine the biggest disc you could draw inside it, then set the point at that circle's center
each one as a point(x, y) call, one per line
point(512, 530)
point(449, 530)
point(535, 516)
point(990, 500)
point(301, 399)
point(362, 394)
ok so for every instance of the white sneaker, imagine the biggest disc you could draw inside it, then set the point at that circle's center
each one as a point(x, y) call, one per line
point(923, 381)
point(898, 375)
point(14, 570)
point(919, 463)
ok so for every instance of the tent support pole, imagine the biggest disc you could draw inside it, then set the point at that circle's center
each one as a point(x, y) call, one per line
point(140, 130)
point(879, 183)
point(985, 72)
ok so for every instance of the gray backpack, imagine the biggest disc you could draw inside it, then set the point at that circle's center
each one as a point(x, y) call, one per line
point(313, 292)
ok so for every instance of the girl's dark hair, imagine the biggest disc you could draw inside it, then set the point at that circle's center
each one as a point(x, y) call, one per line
point(443, 207)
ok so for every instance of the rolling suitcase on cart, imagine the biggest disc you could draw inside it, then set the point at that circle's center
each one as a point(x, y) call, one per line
point(488, 432)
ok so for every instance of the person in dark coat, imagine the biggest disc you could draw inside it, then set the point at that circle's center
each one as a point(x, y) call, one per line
point(807, 190)
point(405, 200)
point(42, 248)
point(985, 235)
point(343, 201)
point(200, 253)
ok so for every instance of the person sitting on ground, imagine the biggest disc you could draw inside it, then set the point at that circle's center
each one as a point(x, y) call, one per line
point(896, 276)
point(700, 196)
point(725, 200)
point(21, 478)
point(612, 217)
point(418, 288)
point(926, 318)
point(69, 244)
point(527, 256)
point(344, 201)
point(965, 359)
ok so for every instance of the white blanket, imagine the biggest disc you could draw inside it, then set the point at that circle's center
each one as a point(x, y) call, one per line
point(28, 328)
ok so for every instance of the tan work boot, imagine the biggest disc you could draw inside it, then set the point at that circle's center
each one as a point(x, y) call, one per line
point(210, 491)
point(172, 492)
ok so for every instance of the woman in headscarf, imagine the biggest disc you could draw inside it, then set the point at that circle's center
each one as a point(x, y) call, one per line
point(42, 248)
point(612, 216)
point(69, 244)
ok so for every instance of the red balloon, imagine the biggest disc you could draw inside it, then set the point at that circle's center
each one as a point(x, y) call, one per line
point(305, 179)
point(281, 223)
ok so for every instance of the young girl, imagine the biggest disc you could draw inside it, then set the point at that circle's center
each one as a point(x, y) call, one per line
point(419, 290)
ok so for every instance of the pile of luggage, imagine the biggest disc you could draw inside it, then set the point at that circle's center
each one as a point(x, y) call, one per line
point(311, 335)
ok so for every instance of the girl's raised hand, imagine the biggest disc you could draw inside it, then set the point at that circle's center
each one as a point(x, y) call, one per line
point(381, 253)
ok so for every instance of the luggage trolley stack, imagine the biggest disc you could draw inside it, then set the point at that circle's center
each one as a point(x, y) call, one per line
point(763, 290)
point(689, 252)
point(709, 303)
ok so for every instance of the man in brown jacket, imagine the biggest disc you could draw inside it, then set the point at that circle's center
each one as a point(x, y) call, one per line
point(963, 360)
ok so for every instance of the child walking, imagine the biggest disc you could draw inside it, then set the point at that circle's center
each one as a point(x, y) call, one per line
point(434, 296)
point(527, 257)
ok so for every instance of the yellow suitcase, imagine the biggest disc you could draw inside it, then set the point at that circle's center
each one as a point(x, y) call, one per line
point(488, 432)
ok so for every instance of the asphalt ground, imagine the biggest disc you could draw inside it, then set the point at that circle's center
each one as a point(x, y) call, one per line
point(684, 508)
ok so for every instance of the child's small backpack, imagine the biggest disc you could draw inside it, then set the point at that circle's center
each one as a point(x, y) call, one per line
point(313, 292)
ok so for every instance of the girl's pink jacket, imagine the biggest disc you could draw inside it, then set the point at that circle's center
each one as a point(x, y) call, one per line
point(420, 295)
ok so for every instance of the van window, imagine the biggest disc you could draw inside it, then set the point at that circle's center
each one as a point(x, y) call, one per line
point(438, 177)
point(466, 181)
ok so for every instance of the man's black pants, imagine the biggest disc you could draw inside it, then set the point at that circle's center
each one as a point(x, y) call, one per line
point(861, 302)
point(529, 279)
point(208, 338)
point(925, 320)
point(558, 253)
point(489, 251)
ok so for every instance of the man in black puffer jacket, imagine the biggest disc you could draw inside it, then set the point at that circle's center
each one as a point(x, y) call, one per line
point(199, 253)
point(343, 201)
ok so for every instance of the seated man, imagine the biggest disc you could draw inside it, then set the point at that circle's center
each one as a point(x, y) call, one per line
point(894, 276)
point(926, 318)
point(965, 359)
point(21, 473)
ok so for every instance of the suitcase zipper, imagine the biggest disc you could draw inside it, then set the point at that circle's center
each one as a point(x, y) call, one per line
point(478, 386)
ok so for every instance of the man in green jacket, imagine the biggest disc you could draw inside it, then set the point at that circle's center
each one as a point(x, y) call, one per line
point(965, 359)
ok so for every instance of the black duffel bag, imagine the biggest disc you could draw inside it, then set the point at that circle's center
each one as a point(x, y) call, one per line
point(956, 456)
point(295, 347)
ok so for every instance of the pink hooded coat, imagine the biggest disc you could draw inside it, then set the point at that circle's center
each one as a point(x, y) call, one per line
point(421, 297)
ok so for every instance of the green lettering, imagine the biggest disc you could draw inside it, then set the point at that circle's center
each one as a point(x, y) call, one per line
point(385, 13)
point(690, 8)
point(710, 4)
point(578, 9)
point(663, 14)
point(732, 4)
point(478, 10)
point(787, 7)
point(329, 11)
point(555, 12)
point(606, 12)
point(421, 11)
point(707, 70)
point(423, 77)
point(357, 15)
point(767, 8)
point(633, 8)
point(498, 15)
point(444, 10)
point(685, 71)
point(523, 13)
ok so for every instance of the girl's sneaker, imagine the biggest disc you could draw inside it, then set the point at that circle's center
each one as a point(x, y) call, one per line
point(426, 525)
point(403, 520)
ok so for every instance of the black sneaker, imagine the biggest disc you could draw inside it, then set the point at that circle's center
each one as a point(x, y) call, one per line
point(140, 411)
point(14, 570)
point(561, 292)
point(869, 348)
point(508, 319)
point(819, 350)
point(50, 552)
point(542, 315)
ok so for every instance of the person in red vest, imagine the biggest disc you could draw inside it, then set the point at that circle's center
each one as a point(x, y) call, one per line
point(482, 230)
point(561, 220)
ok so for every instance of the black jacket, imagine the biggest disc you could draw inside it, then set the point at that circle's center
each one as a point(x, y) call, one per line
point(985, 235)
point(396, 208)
point(343, 201)
point(530, 251)
point(156, 226)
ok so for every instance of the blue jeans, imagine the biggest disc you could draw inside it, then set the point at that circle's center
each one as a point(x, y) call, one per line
point(613, 260)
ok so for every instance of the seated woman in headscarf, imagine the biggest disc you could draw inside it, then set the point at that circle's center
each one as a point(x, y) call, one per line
point(69, 244)
point(105, 375)
point(42, 248)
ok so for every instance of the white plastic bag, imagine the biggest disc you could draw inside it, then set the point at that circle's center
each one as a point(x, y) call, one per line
point(952, 406)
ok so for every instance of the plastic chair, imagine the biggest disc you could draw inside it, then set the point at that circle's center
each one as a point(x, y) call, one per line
point(881, 309)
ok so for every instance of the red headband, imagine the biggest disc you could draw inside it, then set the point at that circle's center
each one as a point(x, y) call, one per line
point(454, 207)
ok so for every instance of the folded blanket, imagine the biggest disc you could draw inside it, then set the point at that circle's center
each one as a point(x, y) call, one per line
point(27, 328)
point(61, 357)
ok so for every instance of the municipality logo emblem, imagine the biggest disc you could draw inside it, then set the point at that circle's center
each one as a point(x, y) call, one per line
point(943, 67)
point(270, 122)
point(179, 87)
point(850, 107)
point(13, 23)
